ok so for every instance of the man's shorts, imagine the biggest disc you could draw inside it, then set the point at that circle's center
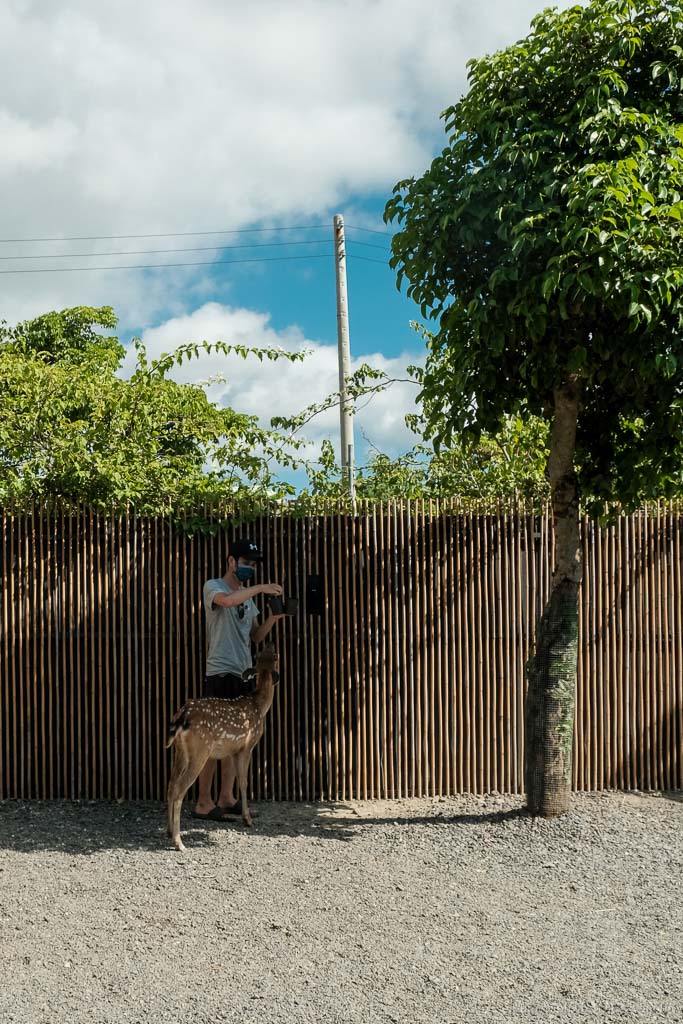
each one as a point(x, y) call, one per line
point(229, 686)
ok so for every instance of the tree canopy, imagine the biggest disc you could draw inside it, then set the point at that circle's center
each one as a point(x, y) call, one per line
point(71, 426)
point(546, 239)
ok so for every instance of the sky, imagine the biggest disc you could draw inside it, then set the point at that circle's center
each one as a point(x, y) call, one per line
point(231, 131)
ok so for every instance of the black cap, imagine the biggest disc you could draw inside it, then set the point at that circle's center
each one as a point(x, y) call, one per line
point(244, 547)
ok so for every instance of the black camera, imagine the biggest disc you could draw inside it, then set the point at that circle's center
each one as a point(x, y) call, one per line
point(288, 606)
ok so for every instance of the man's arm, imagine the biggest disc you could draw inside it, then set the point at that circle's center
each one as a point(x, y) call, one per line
point(236, 597)
point(260, 631)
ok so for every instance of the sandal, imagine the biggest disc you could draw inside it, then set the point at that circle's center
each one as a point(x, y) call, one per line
point(215, 814)
point(235, 811)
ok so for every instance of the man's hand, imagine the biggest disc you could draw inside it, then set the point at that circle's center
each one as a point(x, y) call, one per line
point(271, 589)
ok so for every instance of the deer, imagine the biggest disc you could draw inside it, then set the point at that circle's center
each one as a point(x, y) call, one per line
point(212, 727)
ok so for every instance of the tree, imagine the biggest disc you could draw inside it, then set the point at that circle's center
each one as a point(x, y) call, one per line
point(507, 465)
point(72, 427)
point(547, 242)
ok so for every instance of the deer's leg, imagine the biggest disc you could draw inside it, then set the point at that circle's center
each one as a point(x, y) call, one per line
point(242, 771)
point(176, 794)
point(169, 824)
point(204, 801)
point(177, 760)
point(178, 765)
point(226, 797)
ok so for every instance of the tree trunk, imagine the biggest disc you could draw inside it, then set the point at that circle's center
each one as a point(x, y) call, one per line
point(550, 701)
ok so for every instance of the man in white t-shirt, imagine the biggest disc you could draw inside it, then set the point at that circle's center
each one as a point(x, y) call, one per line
point(231, 628)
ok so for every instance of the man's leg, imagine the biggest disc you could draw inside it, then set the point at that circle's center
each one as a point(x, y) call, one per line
point(226, 797)
point(204, 799)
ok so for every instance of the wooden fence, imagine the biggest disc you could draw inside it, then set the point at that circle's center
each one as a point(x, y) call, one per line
point(402, 675)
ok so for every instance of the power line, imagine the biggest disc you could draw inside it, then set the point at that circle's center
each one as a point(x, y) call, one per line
point(353, 256)
point(188, 234)
point(155, 266)
point(167, 234)
point(199, 248)
point(372, 231)
point(150, 252)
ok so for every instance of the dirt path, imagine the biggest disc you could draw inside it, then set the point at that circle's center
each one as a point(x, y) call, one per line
point(412, 911)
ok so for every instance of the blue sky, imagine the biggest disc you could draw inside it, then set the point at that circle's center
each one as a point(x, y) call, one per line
point(303, 291)
point(120, 118)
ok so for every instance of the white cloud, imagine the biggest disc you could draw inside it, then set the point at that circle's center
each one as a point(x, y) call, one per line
point(33, 146)
point(180, 115)
point(283, 388)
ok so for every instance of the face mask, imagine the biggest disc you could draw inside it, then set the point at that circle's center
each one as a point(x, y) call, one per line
point(244, 573)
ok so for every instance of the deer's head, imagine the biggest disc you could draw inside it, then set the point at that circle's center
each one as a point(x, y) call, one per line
point(267, 661)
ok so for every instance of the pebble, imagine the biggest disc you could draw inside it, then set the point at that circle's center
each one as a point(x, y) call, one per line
point(410, 911)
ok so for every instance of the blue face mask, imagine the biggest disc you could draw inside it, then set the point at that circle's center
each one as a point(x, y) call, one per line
point(244, 573)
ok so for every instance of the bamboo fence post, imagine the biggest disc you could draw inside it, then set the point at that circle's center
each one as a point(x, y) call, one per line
point(377, 662)
point(477, 619)
point(333, 650)
point(74, 677)
point(608, 709)
point(42, 663)
point(288, 708)
point(629, 651)
point(593, 761)
point(17, 706)
point(618, 570)
point(441, 639)
point(398, 611)
point(420, 613)
point(330, 733)
point(639, 636)
point(484, 629)
point(468, 652)
point(94, 577)
point(473, 640)
point(405, 584)
point(523, 602)
point(156, 611)
point(452, 672)
point(434, 640)
point(20, 743)
point(76, 636)
point(664, 761)
point(395, 733)
point(650, 753)
point(380, 617)
point(306, 684)
point(678, 638)
point(320, 672)
point(664, 532)
point(32, 696)
point(5, 692)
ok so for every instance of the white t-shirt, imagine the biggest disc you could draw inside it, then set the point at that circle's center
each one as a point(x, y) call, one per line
point(228, 631)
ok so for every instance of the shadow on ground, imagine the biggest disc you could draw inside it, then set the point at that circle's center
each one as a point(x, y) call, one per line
point(90, 827)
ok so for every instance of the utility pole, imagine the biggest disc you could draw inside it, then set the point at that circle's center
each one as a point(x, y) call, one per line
point(344, 351)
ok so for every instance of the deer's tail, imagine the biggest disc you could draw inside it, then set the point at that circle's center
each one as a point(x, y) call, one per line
point(179, 723)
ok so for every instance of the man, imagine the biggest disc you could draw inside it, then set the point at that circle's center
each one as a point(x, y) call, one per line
point(231, 628)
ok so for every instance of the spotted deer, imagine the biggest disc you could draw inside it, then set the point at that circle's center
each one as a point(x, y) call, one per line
point(217, 728)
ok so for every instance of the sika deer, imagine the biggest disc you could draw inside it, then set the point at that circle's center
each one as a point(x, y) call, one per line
point(212, 727)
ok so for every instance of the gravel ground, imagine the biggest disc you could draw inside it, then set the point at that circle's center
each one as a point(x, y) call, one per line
point(417, 910)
